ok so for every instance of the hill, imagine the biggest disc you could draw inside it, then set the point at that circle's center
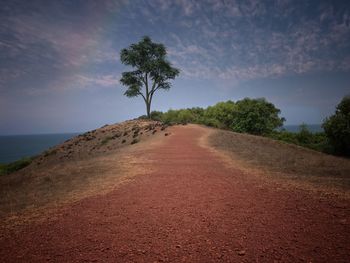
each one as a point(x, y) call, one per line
point(81, 165)
point(191, 196)
point(285, 161)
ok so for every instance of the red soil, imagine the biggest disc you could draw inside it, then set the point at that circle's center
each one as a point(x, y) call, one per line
point(192, 208)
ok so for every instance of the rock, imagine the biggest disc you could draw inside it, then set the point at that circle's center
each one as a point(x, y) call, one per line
point(241, 253)
point(166, 134)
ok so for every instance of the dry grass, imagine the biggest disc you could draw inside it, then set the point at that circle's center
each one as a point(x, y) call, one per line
point(284, 160)
point(78, 168)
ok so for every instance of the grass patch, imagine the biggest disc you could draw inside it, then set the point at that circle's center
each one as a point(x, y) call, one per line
point(48, 153)
point(285, 159)
point(15, 166)
point(106, 140)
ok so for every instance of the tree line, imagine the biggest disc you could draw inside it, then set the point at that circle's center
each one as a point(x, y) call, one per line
point(260, 117)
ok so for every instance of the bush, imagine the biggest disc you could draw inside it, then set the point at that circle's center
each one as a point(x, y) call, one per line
point(178, 116)
point(256, 116)
point(304, 136)
point(15, 166)
point(316, 141)
point(221, 115)
point(337, 128)
point(156, 115)
point(106, 140)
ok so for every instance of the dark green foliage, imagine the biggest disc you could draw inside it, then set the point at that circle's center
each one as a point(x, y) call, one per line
point(152, 70)
point(156, 115)
point(143, 117)
point(14, 166)
point(256, 116)
point(178, 116)
point(106, 140)
point(220, 115)
point(337, 128)
point(316, 141)
point(260, 117)
point(304, 136)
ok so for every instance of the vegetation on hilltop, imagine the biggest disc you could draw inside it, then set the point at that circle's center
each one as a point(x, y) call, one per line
point(15, 166)
point(260, 117)
point(337, 128)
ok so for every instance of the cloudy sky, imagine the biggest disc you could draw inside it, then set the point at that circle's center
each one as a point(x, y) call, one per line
point(60, 68)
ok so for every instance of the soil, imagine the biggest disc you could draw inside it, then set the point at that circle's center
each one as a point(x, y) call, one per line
point(188, 205)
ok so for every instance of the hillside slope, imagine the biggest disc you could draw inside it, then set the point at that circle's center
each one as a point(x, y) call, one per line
point(285, 161)
point(92, 162)
point(186, 204)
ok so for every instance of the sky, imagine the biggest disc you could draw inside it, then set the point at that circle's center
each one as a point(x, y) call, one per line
point(60, 65)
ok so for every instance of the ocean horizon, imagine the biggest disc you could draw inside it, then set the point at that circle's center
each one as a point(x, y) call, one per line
point(15, 147)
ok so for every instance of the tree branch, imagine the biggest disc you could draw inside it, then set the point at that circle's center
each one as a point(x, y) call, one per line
point(143, 96)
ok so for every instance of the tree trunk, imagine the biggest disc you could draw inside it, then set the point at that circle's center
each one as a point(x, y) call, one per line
point(148, 106)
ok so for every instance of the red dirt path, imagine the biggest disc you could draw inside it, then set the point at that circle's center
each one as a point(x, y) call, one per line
point(192, 208)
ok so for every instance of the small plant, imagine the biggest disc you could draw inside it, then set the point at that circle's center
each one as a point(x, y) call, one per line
point(117, 135)
point(134, 141)
point(106, 140)
point(48, 153)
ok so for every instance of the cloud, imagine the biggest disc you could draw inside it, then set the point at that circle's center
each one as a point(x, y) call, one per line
point(45, 44)
point(110, 80)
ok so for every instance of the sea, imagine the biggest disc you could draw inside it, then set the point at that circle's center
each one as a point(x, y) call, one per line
point(311, 127)
point(14, 147)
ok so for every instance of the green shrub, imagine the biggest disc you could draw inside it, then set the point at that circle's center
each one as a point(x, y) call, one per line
point(106, 140)
point(256, 116)
point(15, 166)
point(222, 114)
point(156, 115)
point(337, 128)
point(316, 141)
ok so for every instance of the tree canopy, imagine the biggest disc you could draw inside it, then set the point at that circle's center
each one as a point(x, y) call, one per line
point(337, 128)
point(152, 72)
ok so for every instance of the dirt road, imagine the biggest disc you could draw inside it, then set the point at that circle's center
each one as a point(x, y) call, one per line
point(191, 207)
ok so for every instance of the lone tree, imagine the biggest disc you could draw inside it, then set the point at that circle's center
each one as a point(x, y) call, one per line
point(152, 70)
